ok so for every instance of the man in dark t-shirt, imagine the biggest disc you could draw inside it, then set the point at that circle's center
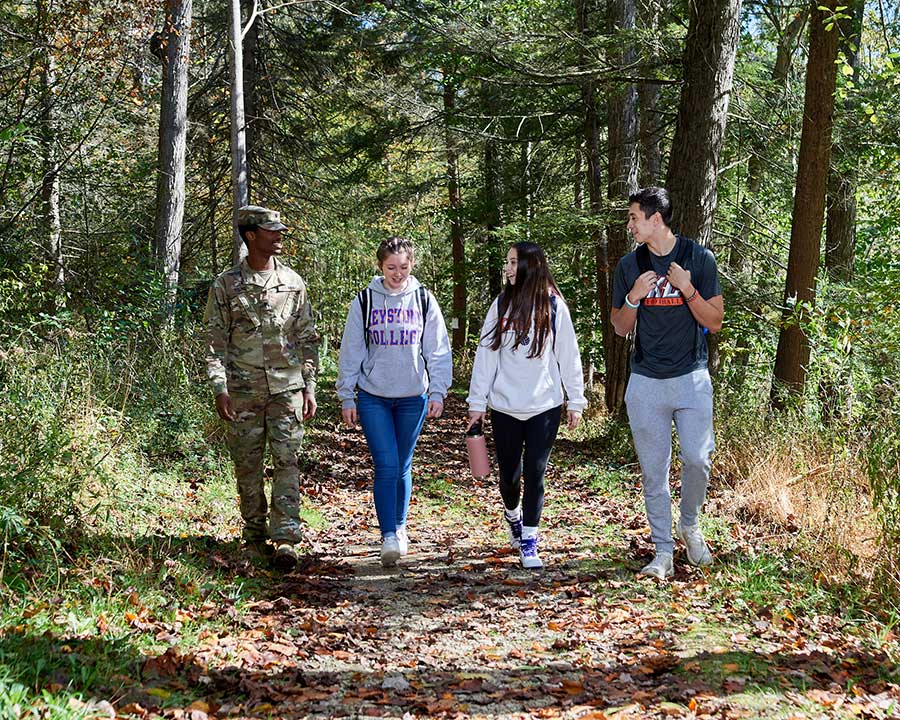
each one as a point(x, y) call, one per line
point(668, 289)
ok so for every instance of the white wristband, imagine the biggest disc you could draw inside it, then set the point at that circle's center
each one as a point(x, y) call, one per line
point(628, 303)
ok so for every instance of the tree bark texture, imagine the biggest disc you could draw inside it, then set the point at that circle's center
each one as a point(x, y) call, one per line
point(492, 218)
point(239, 172)
point(594, 179)
point(621, 112)
point(56, 275)
point(792, 356)
point(708, 62)
point(651, 125)
point(840, 223)
point(252, 115)
point(458, 338)
point(172, 143)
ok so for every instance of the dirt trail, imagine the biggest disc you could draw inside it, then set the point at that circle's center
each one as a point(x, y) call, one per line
point(459, 629)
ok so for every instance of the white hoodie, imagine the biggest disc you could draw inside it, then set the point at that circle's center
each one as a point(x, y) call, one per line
point(509, 381)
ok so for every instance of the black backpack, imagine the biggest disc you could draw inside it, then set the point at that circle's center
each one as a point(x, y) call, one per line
point(365, 305)
point(685, 258)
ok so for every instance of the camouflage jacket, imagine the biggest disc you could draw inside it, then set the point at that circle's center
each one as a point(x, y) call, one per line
point(262, 337)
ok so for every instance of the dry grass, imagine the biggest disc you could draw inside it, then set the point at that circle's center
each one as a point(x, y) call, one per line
point(802, 485)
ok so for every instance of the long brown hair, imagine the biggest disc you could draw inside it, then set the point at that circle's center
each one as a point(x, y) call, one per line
point(530, 295)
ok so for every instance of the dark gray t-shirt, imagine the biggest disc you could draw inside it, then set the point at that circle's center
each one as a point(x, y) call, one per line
point(670, 340)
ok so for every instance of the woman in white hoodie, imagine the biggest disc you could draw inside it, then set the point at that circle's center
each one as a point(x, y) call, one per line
point(527, 356)
point(394, 371)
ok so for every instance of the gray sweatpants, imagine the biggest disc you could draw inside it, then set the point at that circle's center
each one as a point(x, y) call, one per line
point(652, 406)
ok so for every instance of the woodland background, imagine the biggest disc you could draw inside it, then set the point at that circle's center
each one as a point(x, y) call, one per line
point(465, 127)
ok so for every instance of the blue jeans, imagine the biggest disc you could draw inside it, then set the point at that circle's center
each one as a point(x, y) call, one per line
point(391, 427)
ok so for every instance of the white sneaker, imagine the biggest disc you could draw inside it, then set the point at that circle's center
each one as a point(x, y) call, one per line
point(697, 549)
point(390, 551)
point(403, 540)
point(529, 553)
point(660, 567)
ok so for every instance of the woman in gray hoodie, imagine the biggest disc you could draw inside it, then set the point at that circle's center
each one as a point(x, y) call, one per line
point(394, 370)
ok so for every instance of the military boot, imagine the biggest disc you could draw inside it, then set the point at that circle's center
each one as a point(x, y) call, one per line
point(285, 557)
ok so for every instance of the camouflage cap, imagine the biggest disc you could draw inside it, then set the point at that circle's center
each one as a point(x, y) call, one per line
point(261, 217)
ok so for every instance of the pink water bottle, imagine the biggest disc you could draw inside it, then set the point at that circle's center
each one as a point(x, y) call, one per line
point(479, 463)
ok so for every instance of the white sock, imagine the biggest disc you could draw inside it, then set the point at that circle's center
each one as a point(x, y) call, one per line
point(388, 536)
point(529, 532)
point(513, 514)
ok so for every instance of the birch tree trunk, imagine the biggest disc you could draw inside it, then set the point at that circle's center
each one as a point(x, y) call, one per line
point(56, 274)
point(239, 174)
point(792, 356)
point(252, 115)
point(172, 144)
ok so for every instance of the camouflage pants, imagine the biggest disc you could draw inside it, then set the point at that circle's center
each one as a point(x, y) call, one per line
point(280, 419)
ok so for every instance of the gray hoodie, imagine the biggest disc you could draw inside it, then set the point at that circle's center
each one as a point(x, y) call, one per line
point(399, 361)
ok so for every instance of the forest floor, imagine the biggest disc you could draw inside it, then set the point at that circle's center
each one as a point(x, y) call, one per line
point(460, 630)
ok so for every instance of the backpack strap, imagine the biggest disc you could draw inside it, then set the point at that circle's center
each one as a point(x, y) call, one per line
point(365, 305)
point(642, 253)
point(424, 305)
point(553, 302)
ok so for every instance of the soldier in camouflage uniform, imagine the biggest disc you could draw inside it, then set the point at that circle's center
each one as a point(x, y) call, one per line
point(262, 361)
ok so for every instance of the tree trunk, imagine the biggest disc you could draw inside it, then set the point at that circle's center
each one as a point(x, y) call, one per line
point(621, 110)
point(651, 125)
point(692, 176)
point(172, 144)
point(56, 275)
point(252, 115)
point(239, 174)
point(840, 224)
point(594, 187)
point(702, 113)
point(836, 388)
point(578, 180)
point(458, 324)
point(492, 218)
point(809, 205)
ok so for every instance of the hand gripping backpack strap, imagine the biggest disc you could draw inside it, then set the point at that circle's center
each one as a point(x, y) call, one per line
point(684, 258)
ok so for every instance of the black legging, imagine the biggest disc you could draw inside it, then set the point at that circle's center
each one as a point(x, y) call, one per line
point(536, 434)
